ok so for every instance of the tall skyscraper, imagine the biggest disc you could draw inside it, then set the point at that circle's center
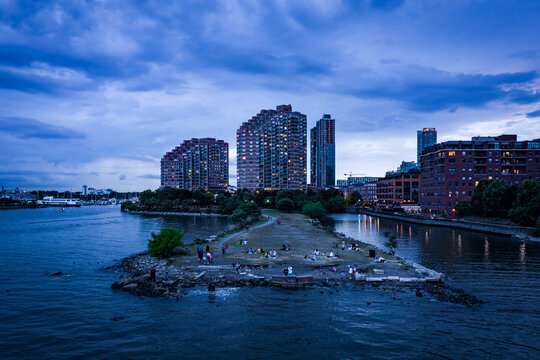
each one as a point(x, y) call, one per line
point(323, 152)
point(425, 137)
point(197, 164)
point(271, 150)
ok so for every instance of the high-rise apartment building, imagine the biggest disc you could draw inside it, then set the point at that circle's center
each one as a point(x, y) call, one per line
point(425, 137)
point(197, 164)
point(323, 152)
point(451, 170)
point(271, 150)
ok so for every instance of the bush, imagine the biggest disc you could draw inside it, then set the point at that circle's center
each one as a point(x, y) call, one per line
point(163, 244)
point(285, 204)
point(128, 205)
point(391, 244)
point(238, 216)
point(336, 204)
point(463, 208)
point(314, 210)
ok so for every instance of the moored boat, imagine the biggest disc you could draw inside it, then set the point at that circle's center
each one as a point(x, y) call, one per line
point(51, 201)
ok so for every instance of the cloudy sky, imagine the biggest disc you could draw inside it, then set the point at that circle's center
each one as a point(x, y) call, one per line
point(96, 92)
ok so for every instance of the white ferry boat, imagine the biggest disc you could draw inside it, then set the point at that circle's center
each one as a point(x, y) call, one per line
point(51, 201)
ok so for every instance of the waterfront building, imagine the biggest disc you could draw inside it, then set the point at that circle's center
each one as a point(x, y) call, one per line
point(342, 183)
point(368, 191)
point(323, 152)
point(451, 169)
point(271, 150)
point(197, 164)
point(405, 166)
point(398, 189)
point(425, 137)
point(352, 180)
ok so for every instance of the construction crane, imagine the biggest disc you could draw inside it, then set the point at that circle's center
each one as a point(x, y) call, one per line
point(351, 174)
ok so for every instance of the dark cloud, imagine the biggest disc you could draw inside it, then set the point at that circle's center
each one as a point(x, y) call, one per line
point(429, 90)
point(149, 176)
point(26, 128)
point(533, 114)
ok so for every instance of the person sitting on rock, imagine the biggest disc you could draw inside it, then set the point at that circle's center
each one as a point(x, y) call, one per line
point(284, 248)
point(288, 247)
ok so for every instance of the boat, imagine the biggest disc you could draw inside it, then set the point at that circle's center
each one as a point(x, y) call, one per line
point(51, 201)
point(61, 209)
point(292, 281)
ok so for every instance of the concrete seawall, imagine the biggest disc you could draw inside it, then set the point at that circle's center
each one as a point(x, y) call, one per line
point(505, 230)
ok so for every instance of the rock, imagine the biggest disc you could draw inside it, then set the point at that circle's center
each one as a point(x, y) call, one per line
point(58, 273)
point(116, 318)
point(419, 293)
point(130, 286)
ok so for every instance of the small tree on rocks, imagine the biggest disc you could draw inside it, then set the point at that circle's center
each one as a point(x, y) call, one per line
point(162, 244)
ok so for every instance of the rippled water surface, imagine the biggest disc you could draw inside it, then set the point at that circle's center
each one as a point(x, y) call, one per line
point(77, 315)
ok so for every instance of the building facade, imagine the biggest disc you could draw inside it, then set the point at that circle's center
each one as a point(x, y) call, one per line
point(368, 191)
point(197, 164)
point(425, 137)
point(323, 152)
point(271, 150)
point(451, 170)
point(398, 189)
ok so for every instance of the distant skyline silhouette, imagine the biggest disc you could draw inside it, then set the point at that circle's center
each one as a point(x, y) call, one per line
point(96, 92)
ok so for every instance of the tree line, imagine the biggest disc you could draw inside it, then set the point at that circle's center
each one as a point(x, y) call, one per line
point(241, 205)
point(495, 198)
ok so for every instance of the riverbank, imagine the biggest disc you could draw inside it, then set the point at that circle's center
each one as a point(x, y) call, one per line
point(519, 232)
point(304, 237)
point(169, 213)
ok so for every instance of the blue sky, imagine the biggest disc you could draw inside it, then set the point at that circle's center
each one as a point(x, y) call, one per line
point(96, 92)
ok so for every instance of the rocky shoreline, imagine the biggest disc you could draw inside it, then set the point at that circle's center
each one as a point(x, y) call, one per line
point(180, 278)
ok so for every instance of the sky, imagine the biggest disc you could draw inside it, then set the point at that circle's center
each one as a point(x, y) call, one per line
point(95, 92)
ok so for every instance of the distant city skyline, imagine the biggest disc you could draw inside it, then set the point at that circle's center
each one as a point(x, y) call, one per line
point(96, 92)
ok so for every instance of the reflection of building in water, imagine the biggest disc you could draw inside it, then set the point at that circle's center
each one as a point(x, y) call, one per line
point(486, 248)
point(459, 244)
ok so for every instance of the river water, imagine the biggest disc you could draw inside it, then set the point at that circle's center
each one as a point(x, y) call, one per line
point(78, 316)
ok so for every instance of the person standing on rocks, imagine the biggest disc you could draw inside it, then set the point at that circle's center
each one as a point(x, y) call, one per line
point(199, 253)
point(153, 274)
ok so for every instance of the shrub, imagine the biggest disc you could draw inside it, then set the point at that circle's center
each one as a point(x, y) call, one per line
point(391, 244)
point(163, 244)
point(238, 216)
point(463, 208)
point(314, 210)
point(128, 205)
point(285, 204)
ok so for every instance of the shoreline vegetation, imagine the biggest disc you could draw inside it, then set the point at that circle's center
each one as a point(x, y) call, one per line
point(258, 255)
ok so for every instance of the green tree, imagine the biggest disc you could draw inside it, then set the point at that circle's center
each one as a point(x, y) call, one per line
point(162, 244)
point(285, 204)
point(495, 202)
point(353, 198)
point(477, 206)
point(314, 210)
point(526, 208)
point(335, 204)
point(238, 216)
point(463, 208)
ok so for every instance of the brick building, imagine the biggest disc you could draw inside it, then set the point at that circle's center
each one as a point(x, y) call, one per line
point(398, 189)
point(271, 150)
point(451, 169)
point(197, 164)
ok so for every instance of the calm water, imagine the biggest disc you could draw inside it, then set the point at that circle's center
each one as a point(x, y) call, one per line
point(71, 316)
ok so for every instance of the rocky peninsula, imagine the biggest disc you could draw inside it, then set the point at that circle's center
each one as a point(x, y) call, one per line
point(327, 258)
